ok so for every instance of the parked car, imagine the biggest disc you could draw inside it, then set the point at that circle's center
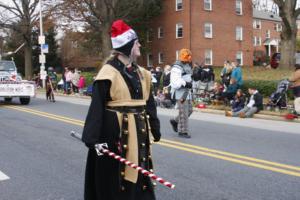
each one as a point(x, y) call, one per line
point(275, 59)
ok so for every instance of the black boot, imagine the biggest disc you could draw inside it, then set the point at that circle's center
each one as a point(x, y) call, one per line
point(174, 125)
point(184, 135)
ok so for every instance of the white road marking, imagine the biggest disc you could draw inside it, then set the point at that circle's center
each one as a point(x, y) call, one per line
point(3, 176)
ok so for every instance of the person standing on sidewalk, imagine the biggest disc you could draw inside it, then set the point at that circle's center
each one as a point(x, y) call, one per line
point(123, 115)
point(81, 84)
point(181, 83)
point(237, 74)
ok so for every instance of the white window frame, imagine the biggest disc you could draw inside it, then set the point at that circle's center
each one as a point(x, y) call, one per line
point(160, 32)
point(210, 33)
point(239, 32)
point(257, 24)
point(239, 7)
point(278, 27)
point(268, 34)
point(160, 58)
point(177, 4)
point(210, 57)
point(149, 62)
point(209, 3)
point(256, 41)
point(179, 25)
point(240, 53)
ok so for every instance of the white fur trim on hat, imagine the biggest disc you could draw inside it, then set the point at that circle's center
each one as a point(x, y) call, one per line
point(123, 39)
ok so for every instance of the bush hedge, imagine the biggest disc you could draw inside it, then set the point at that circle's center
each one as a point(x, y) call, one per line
point(265, 87)
point(88, 77)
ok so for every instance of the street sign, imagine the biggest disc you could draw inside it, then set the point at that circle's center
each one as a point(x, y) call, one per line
point(43, 74)
point(41, 39)
point(42, 58)
point(45, 48)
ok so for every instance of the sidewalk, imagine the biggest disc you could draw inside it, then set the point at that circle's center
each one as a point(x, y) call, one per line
point(261, 115)
point(85, 100)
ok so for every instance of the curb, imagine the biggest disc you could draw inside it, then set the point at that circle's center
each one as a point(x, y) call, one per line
point(65, 95)
point(257, 116)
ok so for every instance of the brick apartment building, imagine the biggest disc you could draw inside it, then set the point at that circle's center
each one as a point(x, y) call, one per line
point(266, 34)
point(214, 30)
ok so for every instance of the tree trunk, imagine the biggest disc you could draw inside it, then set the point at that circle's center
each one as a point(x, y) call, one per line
point(289, 32)
point(288, 49)
point(106, 40)
point(28, 62)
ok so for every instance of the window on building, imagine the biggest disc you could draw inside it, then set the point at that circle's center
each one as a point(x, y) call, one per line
point(256, 41)
point(239, 57)
point(160, 32)
point(268, 34)
point(177, 55)
point(179, 5)
point(239, 33)
point(256, 24)
point(160, 58)
point(238, 7)
point(278, 27)
point(149, 35)
point(207, 4)
point(208, 57)
point(179, 30)
point(208, 30)
point(149, 60)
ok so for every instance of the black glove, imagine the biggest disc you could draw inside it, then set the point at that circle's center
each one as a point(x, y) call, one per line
point(188, 85)
point(156, 139)
point(91, 146)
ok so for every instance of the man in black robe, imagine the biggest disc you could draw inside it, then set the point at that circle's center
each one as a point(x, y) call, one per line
point(123, 115)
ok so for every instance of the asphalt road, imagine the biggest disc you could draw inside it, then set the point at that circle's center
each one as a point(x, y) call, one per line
point(226, 158)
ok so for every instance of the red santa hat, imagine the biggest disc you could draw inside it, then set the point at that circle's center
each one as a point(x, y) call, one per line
point(121, 34)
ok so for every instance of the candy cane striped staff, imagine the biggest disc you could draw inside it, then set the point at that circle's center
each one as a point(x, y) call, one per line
point(102, 149)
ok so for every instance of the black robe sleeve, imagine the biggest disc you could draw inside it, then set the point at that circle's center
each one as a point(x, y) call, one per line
point(94, 121)
point(153, 120)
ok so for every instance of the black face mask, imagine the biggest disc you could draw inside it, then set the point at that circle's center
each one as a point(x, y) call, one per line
point(126, 49)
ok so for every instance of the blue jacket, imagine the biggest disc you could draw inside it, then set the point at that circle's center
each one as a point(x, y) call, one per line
point(232, 88)
point(237, 75)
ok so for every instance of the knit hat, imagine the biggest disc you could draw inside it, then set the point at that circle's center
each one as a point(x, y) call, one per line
point(122, 37)
point(185, 55)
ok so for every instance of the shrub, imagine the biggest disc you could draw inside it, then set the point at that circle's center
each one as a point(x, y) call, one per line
point(88, 77)
point(265, 87)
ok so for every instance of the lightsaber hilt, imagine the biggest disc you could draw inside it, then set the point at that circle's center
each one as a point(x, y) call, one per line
point(102, 149)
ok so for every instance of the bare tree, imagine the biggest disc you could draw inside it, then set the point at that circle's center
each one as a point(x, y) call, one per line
point(99, 14)
point(288, 13)
point(21, 17)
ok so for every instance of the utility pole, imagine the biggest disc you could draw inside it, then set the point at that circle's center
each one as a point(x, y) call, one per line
point(42, 57)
